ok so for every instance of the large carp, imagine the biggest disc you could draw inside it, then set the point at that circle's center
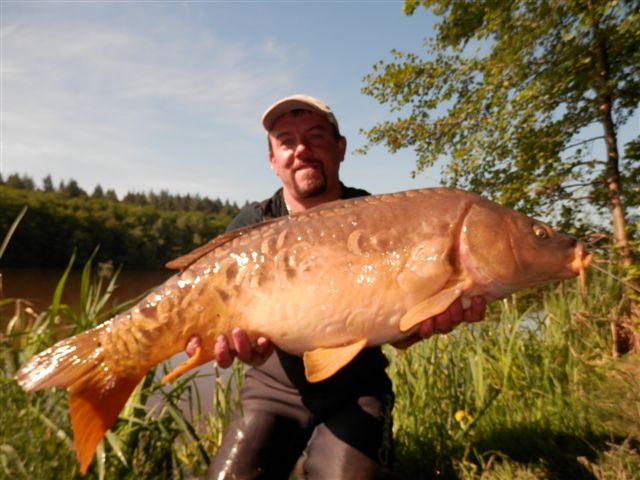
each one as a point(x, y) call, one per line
point(322, 284)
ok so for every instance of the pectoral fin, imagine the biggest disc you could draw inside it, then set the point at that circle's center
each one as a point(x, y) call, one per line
point(430, 307)
point(198, 358)
point(321, 363)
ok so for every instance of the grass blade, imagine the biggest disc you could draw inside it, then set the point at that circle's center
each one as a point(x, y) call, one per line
point(12, 229)
point(57, 294)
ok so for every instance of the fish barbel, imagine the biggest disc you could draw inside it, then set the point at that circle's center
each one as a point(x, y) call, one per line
point(322, 284)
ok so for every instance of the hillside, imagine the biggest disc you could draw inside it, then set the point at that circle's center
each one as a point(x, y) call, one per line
point(140, 231)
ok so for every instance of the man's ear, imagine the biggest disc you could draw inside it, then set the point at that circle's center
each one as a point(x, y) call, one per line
point(342, 147)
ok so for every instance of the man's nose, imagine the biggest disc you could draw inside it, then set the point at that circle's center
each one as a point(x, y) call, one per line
point(302, 148)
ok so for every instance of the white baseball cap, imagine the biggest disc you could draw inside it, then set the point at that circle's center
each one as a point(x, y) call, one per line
point(297, 102)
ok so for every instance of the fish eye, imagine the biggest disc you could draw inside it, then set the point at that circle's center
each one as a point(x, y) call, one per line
point(540, 232)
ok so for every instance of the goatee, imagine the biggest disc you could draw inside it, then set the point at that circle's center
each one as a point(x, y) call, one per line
point(316, 187)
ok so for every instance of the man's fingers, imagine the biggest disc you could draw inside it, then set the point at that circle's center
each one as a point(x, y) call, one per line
point(427, 328)
point(477, 310)
point(222, 352)
point(247, 352)
point(457, 312)
point(262, 343)
point(192, 345)
point(239, 345)
point(447, 320)
point(263, 349)
point(242, 345)
point(443, 323)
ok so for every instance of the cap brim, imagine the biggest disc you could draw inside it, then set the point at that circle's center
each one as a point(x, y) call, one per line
point(296, 102)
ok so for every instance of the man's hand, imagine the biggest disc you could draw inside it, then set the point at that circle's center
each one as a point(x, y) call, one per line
point(239, 345)
point(446, 321)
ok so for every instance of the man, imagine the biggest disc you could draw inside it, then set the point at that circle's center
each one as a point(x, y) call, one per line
point(344, 422)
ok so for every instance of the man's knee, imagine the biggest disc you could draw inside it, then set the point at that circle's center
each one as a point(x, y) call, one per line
point(356, 442)
point(258, 445)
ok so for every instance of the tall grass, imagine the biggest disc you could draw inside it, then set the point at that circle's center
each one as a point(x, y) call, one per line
point(164, 432)
point(534, 391)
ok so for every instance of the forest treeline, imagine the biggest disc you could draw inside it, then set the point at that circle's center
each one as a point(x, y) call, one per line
point(141, 230)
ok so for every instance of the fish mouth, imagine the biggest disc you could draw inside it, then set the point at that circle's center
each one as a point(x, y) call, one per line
point(579, 263)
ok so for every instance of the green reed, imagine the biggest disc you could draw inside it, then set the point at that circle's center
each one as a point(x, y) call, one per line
point(534, 391)
point(164, 431)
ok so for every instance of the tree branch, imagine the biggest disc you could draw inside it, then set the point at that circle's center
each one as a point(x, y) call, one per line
point(582, 142)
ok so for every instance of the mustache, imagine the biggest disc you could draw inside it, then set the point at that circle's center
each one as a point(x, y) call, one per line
point(306, 164)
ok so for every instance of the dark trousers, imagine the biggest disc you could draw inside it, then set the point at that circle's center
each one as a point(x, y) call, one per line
point(346, 435)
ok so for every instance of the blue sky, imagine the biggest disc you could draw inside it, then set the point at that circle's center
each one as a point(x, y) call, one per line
point(150, 95)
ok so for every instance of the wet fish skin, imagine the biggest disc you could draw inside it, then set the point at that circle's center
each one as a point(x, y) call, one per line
point(322, 284)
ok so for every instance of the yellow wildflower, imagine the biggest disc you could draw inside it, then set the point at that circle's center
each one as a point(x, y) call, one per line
point(462, 416)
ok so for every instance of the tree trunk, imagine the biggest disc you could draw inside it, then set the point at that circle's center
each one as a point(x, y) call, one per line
point(613, 180)
point(624, 330)
point(620, 235)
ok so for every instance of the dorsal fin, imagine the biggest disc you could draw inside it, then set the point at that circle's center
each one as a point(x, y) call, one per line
point(183, 262)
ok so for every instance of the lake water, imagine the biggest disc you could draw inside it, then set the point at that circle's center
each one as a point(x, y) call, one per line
point(37, 287)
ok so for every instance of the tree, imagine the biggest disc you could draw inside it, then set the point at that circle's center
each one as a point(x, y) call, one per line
point(72, 189)
point(135, 198)
point(98, 192)
point(111, 195)
point(522, 83)
point(47, 184)
point(15, 180)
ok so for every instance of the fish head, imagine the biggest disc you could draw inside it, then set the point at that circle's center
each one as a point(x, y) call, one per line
point(506, 250)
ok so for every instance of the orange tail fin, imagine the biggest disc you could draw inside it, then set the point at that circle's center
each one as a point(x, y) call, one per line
point(93, 411)
point(97, 395)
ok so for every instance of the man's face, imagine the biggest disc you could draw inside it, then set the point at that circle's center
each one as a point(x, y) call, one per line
point(306, 154)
